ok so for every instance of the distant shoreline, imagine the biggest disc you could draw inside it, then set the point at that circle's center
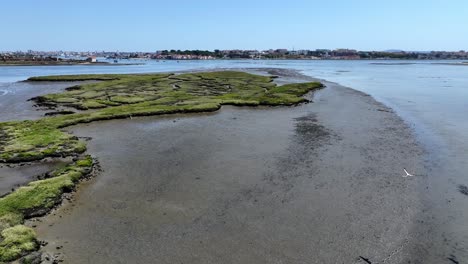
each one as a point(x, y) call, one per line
point(69, 64)
point(63, 63)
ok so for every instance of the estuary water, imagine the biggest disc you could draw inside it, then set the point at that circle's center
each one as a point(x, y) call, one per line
point(431, 96)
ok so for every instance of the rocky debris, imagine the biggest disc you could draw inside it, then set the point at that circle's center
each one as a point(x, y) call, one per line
point(47, 258)
point(33, 258)
point(42, 258)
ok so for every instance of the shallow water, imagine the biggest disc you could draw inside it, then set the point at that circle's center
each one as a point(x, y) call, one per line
point(14, 99)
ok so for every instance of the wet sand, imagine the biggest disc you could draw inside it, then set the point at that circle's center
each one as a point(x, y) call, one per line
point(317, 183)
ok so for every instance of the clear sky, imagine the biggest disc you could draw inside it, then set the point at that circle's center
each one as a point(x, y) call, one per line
point(149, 25)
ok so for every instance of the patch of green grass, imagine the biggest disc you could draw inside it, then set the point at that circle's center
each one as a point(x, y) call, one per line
point(86, 162)
point(34, 199)
point(34, 140)
point(17, 240)
point(127, 99)
point(91, 104)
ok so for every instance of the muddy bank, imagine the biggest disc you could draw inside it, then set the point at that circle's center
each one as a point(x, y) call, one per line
point(316, 183)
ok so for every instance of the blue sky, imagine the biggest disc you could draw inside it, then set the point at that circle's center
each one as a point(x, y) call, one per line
point(144, 25)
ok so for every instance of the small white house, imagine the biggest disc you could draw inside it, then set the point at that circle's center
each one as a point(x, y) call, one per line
point(91, 59)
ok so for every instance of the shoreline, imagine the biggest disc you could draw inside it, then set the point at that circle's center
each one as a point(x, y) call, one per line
point(73, 64)
point(319, 98)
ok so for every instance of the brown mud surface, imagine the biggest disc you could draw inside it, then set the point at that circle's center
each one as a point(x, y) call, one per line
point(317, 183)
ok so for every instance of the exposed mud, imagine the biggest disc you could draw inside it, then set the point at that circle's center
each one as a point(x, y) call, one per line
point(316, 183)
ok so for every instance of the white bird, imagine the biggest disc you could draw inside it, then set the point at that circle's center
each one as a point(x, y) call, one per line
point(407, 174)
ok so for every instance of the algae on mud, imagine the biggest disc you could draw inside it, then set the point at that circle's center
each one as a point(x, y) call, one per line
point(34, 199)
point(126, 95)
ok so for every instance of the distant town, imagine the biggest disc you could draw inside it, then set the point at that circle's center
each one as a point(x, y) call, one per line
point(73, 57)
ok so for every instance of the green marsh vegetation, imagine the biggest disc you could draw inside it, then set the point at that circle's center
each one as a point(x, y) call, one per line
point(123, 96)
point(35, 199)
point(115, 96)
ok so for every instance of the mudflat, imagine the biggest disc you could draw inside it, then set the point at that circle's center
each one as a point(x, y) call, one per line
point(316, 183)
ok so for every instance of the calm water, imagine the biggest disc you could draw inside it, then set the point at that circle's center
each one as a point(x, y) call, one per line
point(431, 98)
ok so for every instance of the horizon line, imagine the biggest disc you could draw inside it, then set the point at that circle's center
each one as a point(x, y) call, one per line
point(212, 50)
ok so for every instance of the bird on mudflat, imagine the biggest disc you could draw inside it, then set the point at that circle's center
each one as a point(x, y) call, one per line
point(407, 174)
